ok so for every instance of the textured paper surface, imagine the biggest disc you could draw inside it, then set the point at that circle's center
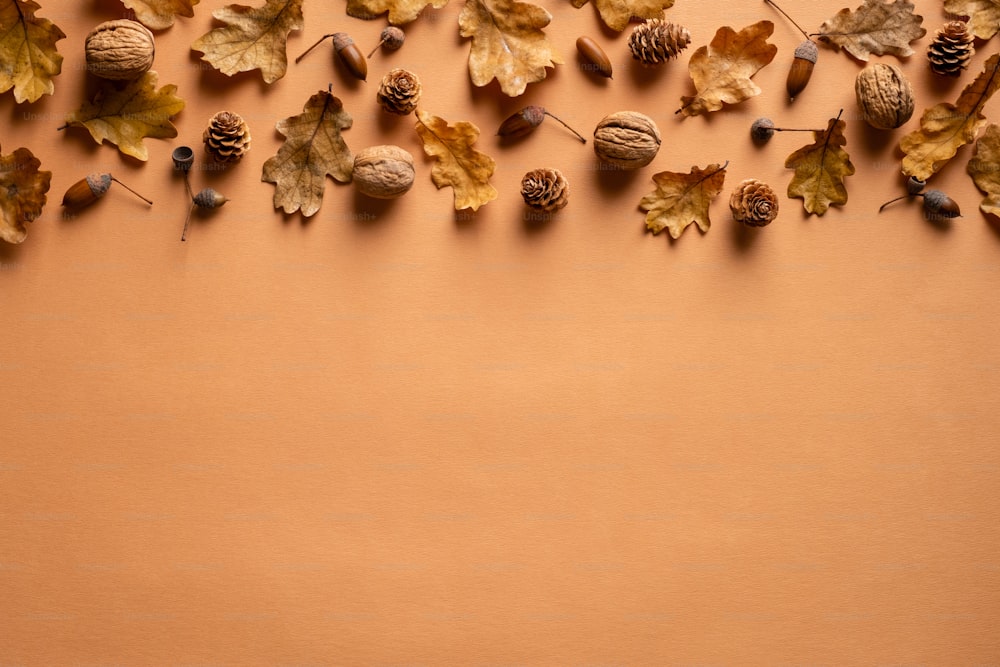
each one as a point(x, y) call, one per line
point(393, 435)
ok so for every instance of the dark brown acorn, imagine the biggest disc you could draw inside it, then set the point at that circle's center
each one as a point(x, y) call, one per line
point(595, 56)
point(348, 52)
point(804, 60)
point(526, 120)
point(207, 200)
point(88, 190)
point(937, 205)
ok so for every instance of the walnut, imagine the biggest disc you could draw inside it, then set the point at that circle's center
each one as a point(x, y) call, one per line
point(885, 97)
point(120, 49)
point(383, 172)
point(627, 139)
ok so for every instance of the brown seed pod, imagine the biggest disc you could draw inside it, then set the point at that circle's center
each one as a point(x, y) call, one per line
point(763, 129)
point(885, 97)
point(937, 205)
point(655, 41)
point(524, 122)
point(804, 60)
point(119, 50)
point(597, 59)
point(951, 49)
point(626, 139)
point(545, 190)
point(227, 137)
point(206, 200)
point(399, 92)
point(391, 39)
point(383, 172)
point(348, 52)
point(754, 203)
point(88, 190)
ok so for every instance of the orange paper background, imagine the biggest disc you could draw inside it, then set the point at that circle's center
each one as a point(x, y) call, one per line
point(397, 435)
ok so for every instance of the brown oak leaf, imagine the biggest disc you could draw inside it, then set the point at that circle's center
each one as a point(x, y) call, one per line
point(313, 150)
point(984, 167)
point(820, 169)
point(126, 115)
point(681, 199)
point(24, 188)
point(507, 43)
point(400, 11)
point(984, 15)
point(160, 14)
point(946, 127)
point(253, 38)
point(28, 55)
point(457, 163)
point(721, 71)
point(876, 27)
point(616, 14)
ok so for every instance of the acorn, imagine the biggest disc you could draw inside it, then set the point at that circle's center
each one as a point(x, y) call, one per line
point(804, 60)
point(937, 205)
point(88, 190)
point(206, 200)
point(348, 52)
point(597, 60)
point(391, 39)
point(526, 120)
point(763, 129)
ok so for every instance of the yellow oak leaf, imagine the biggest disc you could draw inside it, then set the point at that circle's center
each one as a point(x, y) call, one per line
point(23, 187)
point(681, 199)
point(125, 116)
point(820, 169)
point(253, 38)
point(457, 163)
point(721, 71)
point(400, 11)
point(616, 14)
point(28, 54)
point(984, 167)
point(507, 43)
point(160, 14)
point(946, 127)
point(313, 150)
point(984, 15)
point(876, 27)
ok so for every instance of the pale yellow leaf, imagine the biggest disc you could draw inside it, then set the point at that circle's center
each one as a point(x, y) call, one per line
point(984, 15)
point(28, 56)
point(876, 27)
point(820, 169)
point(160, 14)
point(984, 167)
point(313, 150)
point(400, 11)
point(457, 163)
point(616, 14)
point(682, 199)
point(507, 43)
point(253, 38)
point(24, 188)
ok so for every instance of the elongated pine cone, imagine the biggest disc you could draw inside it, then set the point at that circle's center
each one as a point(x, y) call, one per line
point(399, 92)
point(951, 49)
point(227, 137)
point(656, 41)
point(754, 203)
point(545, 190)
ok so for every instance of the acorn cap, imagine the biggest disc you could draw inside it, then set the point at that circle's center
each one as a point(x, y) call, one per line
point(807, 51)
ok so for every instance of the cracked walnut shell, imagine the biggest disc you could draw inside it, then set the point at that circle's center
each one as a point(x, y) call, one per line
point(627, 140)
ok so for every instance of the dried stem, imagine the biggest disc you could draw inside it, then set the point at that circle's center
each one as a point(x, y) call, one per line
point(187, 221)
point(377, 46)
point(773, 4)
point(131, 190)
point(897, 199)
point(578, 136)
point(318, 42)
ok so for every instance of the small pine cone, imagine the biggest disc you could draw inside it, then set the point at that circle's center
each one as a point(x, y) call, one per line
point(754, 203)
point(656, 41)
point(399, 92)
point(227, 137)
point(545, 190)
point(951, 49)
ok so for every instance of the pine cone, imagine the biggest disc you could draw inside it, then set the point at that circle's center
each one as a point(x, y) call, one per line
point(545, 190)
point(754, 203)
point(952, 49)
point(399, 92)
point(656, 41)
point(227, 137)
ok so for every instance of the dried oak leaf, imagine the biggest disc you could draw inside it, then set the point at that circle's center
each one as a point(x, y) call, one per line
point(682, 199)
point(160, 14)
point(721, 71)
point(24, 188)
point(946, 127)
point(820, 169)
point(313, 150)
point(400, 11)
point(253, 38)
point(125, 116)
point(984, 15)
point(457, 163)
point(876, 27)
point(28, 55)
point(616, 14)
point(984, 167)
point(507, 43)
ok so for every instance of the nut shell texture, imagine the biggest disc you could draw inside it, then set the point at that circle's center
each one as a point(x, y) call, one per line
point(627, 140)
point(120, 50)
point(383, 172)
point(885, 97)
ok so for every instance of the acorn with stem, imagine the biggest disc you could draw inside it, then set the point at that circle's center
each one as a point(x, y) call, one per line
point(763, 129)
point(805, 58)
point(88, 190)
point(525, 121)
point(206, 200)
point(348, 52)
point(391, 39)
point(937, 205)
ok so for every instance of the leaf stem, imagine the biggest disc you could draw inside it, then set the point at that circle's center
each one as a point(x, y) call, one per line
point(131, 190)
point(578, 136)
point(318, 42)
point(771, 2)
point(187, 221)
